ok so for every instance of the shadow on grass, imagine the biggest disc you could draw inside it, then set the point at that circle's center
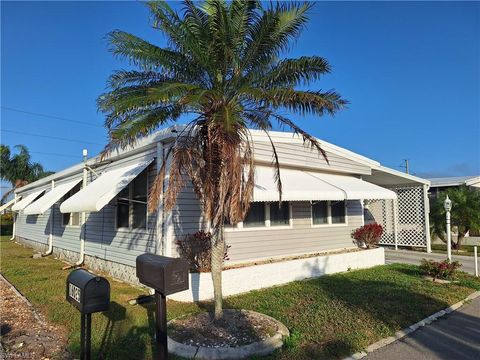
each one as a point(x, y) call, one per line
point(395, 304)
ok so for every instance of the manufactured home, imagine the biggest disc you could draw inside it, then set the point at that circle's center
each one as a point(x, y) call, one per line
point(95, 213)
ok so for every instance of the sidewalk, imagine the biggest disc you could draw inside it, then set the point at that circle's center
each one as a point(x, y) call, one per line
point(454, 337)
point(415, 257)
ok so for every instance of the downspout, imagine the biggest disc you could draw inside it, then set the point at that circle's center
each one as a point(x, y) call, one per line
point(14, 218)
point(160, 246)
point(50, 236)
point(84, 214)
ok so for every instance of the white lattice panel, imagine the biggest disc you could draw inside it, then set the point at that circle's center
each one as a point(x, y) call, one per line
point(382, 213)
point(410, 217)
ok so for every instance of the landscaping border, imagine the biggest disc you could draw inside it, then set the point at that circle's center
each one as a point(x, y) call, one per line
point(402, 333)
point(258, 348)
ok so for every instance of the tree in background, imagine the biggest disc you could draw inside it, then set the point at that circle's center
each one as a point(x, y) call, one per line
point(18, 169)
point(465, 214)
point(222, 67)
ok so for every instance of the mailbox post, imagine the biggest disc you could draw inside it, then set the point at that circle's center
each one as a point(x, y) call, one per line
point(89, 294)
point(167, 276)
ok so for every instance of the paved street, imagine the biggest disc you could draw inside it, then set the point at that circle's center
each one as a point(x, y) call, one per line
point(453, 337)
point(414, 257)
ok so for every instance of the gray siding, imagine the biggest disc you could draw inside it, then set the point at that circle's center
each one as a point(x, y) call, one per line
point(298, 155)
point(103, 239)
point(301, 238)
point(34, 226)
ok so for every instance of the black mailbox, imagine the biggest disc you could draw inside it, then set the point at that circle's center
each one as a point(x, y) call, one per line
point(89, 293)
point(165, 274)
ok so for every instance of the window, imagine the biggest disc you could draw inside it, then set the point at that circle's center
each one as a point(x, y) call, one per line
point(338, 212)
point(328, 212)
point(320, 212)
point(132, 203)
point(71, 219)
point(279, 215)
point(255, 215)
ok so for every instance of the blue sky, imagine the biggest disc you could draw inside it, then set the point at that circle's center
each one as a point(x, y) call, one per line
point(409, 70)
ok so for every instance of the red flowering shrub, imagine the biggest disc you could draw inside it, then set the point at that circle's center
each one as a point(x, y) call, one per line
point(197, 250)
point(440, 270)
point(368, 235)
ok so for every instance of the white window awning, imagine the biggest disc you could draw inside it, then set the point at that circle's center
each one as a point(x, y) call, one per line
point(103, 189)
point(50, 198)
point(7, 205)
point(297, 185)
point(356, 189)
point(22, 204)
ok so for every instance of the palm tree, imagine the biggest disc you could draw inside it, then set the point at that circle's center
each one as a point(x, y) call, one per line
point(222, 66)
point(18, 169)
point(465, 214)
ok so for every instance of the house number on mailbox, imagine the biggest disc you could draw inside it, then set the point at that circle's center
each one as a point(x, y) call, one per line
point(74, 292)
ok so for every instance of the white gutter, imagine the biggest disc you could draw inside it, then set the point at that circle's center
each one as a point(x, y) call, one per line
point(84, 214)
point(50, 236)
point(14, 217)
point(140, 146)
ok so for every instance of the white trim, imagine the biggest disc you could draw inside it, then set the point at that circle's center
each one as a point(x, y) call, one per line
point(115, 158)
point(159, 244)
point(400, 174)
point(426, 207)
point(168, 227)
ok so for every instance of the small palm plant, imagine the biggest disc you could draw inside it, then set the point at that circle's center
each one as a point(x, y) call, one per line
point(223, 68)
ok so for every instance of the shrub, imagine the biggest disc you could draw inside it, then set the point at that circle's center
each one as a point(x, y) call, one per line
point(368, 235)
point(6, 224)
point(445, 270)
point(197, 250)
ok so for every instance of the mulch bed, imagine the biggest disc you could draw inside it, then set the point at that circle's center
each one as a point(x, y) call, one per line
point(24, 332)
point(234, 329)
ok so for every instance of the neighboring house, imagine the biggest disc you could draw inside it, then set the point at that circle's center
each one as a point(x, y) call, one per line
point(107, 223)
point(441, 184)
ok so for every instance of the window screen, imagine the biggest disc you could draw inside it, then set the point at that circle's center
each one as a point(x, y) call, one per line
point(71, 218)
point(320, 212)
point(338, 212)
point(255, 215)
point(132, 203)
point(279, 215)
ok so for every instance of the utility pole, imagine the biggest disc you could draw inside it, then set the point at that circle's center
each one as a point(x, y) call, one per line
point(405, 166)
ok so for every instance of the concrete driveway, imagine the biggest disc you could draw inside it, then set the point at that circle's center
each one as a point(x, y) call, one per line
point(415, 257)
point(454, 337)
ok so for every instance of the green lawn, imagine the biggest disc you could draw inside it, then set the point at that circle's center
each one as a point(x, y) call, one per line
point(332, 316)
point(466, 249)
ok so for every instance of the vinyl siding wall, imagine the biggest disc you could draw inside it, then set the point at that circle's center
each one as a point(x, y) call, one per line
point(103, 239)
point(300, 238)
point(298, 155)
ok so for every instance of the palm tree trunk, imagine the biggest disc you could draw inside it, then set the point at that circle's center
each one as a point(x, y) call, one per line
point(460, 237)
point(218, 251)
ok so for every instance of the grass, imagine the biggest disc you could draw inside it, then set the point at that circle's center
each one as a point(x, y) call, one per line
point(328, 317)
point(466, 249)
